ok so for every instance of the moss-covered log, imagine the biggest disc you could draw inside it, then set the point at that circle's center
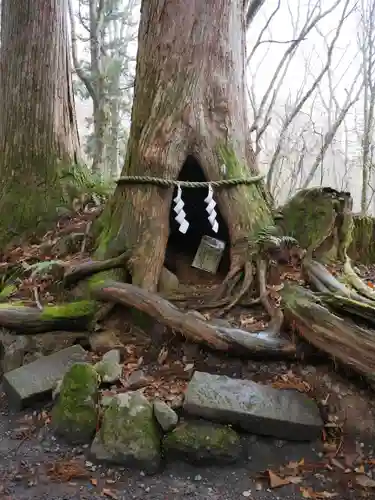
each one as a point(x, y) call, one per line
point(190, 101)
point(340, 338)
point(362, 247)
point(75, 316)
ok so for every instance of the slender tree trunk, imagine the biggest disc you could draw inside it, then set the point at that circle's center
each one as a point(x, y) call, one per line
point(100, 125)
point(38, 129)
point(189, 100)
point(99, 115)
point(113, 156)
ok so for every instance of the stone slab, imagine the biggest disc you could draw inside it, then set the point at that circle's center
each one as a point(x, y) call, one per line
point(259, 409)
point(35, 381)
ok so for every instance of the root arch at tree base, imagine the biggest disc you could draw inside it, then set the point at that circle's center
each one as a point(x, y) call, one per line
point(184, 246)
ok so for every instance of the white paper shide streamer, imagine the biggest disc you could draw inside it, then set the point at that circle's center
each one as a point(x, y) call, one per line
point(210, 209)
point(180, 213)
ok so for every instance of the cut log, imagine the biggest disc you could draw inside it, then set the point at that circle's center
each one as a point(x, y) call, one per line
point(342, 339)
point(192, 325)
point(321, 220)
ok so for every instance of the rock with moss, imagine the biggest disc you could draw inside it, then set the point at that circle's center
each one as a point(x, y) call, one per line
point(109, 367)
point(129, 435)
point(203, 443)
point(165, 415)
point(75, 415)
point(13, 349)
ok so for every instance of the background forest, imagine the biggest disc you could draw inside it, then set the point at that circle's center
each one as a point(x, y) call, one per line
point(311, 88)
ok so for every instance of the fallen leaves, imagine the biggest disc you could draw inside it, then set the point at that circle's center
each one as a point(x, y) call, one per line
point(66, 470)
point(106, 492)
point(365, 481)
point(276, 481)
point(317, 495)
point(291, 473)
point(291, 381)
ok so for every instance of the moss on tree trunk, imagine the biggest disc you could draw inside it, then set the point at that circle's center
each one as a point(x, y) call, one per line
point(190, 99)
point(38, 131)
point(362, 247)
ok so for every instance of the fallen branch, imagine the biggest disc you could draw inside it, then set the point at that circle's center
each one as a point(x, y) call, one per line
point(341, 338)
point(191, 325)
point(74, 316)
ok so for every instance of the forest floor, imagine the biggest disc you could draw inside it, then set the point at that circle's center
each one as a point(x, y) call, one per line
point(36, 465)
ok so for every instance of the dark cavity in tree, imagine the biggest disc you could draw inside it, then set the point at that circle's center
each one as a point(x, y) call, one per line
point(195, 208)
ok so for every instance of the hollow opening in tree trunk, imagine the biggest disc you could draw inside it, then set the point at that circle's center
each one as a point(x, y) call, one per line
point(181, 248)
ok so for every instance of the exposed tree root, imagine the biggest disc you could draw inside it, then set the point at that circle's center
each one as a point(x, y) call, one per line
point(230, 282)
point(356, 281)
point(190, 324)
point(193, 326)
point(246, 284)
point(319, 275)
point(75, 273)
point(275, 313)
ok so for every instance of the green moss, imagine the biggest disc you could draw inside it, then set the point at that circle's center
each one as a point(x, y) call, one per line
point(97, 280)
point(309, 217)
point(362, 246)
point(75, 415)
point(121, 426)
point(32, 192)
point(256, 212)
point(7, 291)
point(16, 304)
point(82, 308)
point(203, 442)
point(197, 435)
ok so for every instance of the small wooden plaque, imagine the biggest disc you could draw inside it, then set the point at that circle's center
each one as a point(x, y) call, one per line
point(209, 254)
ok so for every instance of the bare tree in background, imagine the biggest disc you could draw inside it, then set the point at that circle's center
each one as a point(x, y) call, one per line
point(367, 49)
point(108, 28)
point(262, 112)
point(298, 151)
point(336, 113)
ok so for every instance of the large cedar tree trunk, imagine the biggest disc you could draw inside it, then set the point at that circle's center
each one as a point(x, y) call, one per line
point(189, 100)
point(38, 130)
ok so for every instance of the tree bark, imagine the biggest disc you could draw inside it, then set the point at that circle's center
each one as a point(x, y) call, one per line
point(38, 130)
point(341, 338)
point(193, 325)
point(190, 99)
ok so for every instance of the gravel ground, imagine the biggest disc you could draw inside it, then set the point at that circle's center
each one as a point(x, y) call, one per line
point(26, 458)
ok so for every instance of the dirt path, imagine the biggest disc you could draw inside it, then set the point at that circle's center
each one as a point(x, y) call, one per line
point(26, 458)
